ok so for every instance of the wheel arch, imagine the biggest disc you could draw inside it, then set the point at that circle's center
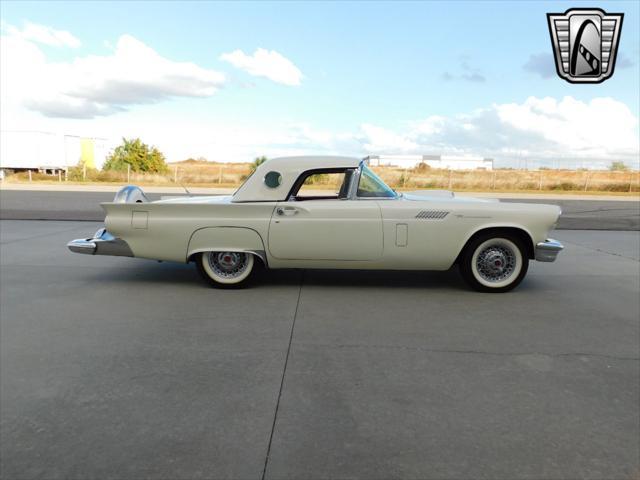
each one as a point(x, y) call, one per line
point(517, 231)
point(227, 239)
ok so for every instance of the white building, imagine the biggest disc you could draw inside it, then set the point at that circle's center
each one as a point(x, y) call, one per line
point(46, 151)
point(446, 162)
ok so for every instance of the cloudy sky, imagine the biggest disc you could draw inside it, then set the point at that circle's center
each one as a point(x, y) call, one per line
point(230, 81)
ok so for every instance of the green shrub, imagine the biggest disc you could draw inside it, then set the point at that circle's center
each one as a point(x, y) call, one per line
point(138, 155)
point(618, 166)
point(615, 187)
point(421, 167)
point(427, 184)
point(403, 180)
point(566, 186)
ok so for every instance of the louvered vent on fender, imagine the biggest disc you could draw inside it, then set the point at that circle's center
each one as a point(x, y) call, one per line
point(432, 214)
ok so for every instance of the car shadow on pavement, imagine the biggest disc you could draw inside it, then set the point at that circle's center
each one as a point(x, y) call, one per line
point(369, 279)
point(178, 273)
point(186, 274)
point(148, 271)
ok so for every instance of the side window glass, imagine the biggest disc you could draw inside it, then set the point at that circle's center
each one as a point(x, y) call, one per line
point(325, 186)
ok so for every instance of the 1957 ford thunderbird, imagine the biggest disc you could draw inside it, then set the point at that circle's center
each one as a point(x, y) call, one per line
point(280, 217)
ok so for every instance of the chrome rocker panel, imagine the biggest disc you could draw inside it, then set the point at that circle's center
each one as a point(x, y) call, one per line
point(102, 243)
point(548, 250)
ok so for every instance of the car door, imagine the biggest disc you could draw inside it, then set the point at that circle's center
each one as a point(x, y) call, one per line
point(326, 229)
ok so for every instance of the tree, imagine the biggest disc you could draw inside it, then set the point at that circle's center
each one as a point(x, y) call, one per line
point(140, 156)
point(257, 162)
point(618, 166)
point(422, 167)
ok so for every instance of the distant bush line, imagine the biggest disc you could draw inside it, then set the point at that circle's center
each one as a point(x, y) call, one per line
point(210, 174)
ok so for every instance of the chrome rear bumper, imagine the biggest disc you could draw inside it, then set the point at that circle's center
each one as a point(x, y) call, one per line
point(548, 250)
point(102, 243)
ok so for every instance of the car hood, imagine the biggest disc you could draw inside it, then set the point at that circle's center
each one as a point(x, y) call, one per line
point(439, 195)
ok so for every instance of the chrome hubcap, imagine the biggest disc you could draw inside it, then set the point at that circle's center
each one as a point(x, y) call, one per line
point(496, 263)
point(228, 264)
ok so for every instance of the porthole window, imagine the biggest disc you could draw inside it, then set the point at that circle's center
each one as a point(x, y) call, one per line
point(273, 179)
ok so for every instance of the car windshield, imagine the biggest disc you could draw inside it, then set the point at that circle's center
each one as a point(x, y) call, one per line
point(372, 186)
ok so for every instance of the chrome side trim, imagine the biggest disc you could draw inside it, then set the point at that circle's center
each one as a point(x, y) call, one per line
point(102, 243)
point(548, 250)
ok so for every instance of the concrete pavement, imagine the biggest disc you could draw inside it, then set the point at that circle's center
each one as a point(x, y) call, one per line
point(126, 368)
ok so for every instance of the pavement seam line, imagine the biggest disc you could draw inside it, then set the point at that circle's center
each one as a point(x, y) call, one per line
point(473, 352)
point(9, 242)
point(595, 249)
point(284, 371)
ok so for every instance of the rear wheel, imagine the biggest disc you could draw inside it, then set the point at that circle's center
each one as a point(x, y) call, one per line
point(494, 263)
point(226, 269)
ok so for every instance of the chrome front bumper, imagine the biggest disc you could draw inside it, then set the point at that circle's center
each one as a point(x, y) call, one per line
point(102, 243)
point(548, 250)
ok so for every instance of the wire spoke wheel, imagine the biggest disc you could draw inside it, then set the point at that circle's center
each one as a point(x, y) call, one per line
point(496, 263)
point(226, 268)
point(228, 264)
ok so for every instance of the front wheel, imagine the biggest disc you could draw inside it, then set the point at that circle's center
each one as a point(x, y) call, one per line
point(494, 263)
point(226, 269)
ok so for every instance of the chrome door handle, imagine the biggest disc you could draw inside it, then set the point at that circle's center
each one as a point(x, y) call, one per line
point(288, 211)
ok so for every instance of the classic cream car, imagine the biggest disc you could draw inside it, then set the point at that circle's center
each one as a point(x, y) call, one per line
point(283, 216)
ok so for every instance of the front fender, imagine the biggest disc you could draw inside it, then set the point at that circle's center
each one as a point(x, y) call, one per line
point(226, 239)
point(496, 226)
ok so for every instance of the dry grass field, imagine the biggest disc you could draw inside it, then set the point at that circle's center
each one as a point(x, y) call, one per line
point(210, 174)
point(512, 180)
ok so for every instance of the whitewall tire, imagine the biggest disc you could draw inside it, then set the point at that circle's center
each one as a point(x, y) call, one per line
point(494, 262)
point(226, 269)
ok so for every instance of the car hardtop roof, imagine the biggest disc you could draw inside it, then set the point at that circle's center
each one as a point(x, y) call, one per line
point(302, 163)
point(289, 168)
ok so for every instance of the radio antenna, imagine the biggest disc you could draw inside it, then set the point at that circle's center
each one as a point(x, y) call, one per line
point(186, 189)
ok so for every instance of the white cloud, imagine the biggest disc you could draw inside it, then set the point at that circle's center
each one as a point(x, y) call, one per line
point(601, 127)
point(378, 139)
point(97, 85)
point(545, 131)
point(265, 63)
point(43, 34)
